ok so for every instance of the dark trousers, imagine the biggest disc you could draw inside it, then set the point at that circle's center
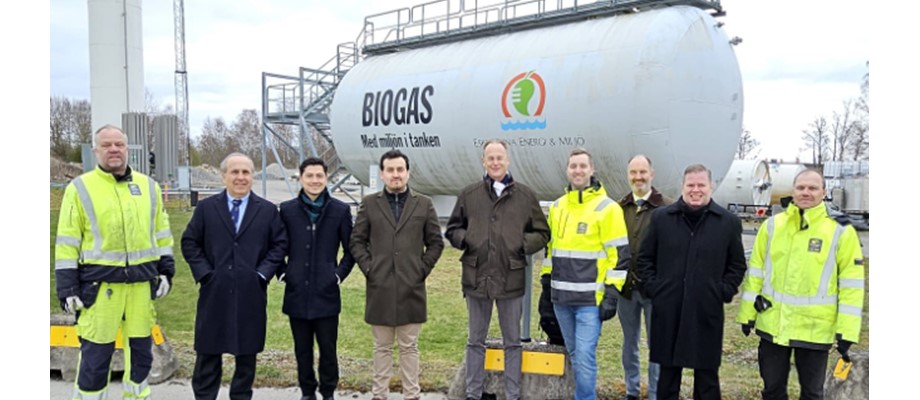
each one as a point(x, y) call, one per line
point(206, 377)
point(774, 369)
point(96, 360)
point(705, 384)
point(326, 333)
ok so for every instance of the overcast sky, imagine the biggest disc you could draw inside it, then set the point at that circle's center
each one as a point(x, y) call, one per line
point(799, 59)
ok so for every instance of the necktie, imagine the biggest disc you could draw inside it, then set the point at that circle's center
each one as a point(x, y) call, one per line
point(640, 203)
point(235, 213)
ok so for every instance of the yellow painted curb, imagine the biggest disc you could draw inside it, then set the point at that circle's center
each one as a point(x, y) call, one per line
point(532, 362)
point(66, 336)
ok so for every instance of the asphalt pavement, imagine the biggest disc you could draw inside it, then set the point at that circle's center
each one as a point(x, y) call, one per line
point(178, 389)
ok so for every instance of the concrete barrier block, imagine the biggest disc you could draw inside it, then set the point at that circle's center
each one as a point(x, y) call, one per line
point(856, 386)
point(65, 352)
point(533, 386)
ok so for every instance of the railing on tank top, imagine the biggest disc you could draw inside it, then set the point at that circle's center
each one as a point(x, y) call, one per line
point(443, 21)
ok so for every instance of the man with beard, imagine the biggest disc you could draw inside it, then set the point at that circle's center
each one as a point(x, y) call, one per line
point(638, 206)
point(396, 242)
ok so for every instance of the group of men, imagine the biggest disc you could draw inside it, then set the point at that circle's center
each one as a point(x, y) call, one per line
point(677, 262)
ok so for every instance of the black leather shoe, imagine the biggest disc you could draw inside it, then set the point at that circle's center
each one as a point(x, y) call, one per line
point(308, 398)
point(489, 396)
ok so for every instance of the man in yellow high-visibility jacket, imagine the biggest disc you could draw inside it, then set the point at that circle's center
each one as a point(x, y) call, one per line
point(587, 260)
point(113, 257)
point(803, 290)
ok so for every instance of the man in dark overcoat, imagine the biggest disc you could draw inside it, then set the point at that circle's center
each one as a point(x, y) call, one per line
point(317, 225)
point(396, 242)
point(691, 262)
point(233, 244)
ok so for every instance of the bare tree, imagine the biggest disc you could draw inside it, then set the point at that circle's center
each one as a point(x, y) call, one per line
point(216, 141)
point(863, 102)
point(817, 140)
point(289, 134)
point(842, 128)
point(61, 141)
point(859, 144)
point(746, 146)
point(69, 127)
point(248, 134)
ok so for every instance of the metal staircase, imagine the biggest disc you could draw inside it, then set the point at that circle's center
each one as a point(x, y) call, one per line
point(303, 102)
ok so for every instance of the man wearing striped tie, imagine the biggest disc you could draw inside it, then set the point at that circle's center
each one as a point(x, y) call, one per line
point(234, 243)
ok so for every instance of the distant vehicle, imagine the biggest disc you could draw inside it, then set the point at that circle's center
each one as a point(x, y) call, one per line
point(860, 221)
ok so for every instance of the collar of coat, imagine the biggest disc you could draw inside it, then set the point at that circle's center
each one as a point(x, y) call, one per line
point(804, 218)
point(581, 196)
point(507, 180)
point(116, 178)
point(656, 199)
point(713, 208)
point(386, 195)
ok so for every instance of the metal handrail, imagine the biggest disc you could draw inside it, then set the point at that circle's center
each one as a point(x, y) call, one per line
point(414, 24)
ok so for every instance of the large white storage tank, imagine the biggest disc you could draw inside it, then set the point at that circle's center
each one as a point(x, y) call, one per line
point(783, 180)
point(116, 59)
point(662, 82)
point(748, 182)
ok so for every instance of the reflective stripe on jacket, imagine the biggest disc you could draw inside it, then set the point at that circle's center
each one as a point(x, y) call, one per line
point(588, 247)
point(810, 267)
point(114, 230)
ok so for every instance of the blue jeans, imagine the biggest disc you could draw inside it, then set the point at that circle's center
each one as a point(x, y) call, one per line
point(581, 327)
point(630, 313)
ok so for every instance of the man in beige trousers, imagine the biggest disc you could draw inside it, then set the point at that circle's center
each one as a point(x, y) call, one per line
point(396, 241)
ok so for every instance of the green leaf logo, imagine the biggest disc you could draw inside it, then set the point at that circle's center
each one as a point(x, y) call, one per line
point(522, 93)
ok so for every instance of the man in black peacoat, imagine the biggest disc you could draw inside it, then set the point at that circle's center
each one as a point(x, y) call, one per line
point(317, 225)
point(691, 262)
point(233, 244)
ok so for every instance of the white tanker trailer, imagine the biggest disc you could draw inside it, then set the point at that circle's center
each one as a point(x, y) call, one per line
point(662, 82)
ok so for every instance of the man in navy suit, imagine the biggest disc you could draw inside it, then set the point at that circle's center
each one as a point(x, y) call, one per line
point(234, 244)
